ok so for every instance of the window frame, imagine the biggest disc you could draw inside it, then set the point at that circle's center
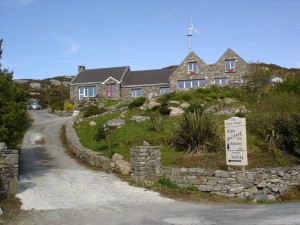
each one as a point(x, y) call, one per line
point(220, 79)
point(162, 90)
point(84, 92)
point(194, 68)
point(134, 93)
point(109, 90)
point(231, 68)
point(199, 83)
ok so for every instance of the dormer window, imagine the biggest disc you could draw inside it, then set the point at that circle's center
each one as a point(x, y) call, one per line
point(193, 67)
point(230, 65)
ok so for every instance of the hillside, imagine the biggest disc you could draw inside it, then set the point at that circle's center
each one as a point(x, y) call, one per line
point(46, 91)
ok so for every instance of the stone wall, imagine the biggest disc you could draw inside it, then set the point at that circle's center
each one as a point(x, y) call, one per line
point(9, 170)
point(145, 162)
point(146, 90)
point(261, 183)
point(87, 155)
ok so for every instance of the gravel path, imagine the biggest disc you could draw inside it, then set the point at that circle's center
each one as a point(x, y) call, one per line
point(54, 189)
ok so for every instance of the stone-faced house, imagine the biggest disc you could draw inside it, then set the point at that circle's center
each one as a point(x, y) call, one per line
point(193, 72)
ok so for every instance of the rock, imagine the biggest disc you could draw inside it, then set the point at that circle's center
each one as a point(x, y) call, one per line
point(221, 173)
point(35, 85)
point(240, 176)
point(151, 96)
point(271, 197)
point(234, 189)
point(122, 167)
point(12, 159)
point(152, 104)
point(262, 184)
point(145, 143)
point(116, 157)
point(3, 146)
point(184, 105)
point(92, 123)
point(55, 82)
point(283, 188)
point(66, 83)
point(21, 81)
point(253, 190)
point(123, 114)
point(116, 123)
point(275, 180)
point(229, 100)
point(34, 93)
point(174, 102)
point(176, 111)
point(138, 119)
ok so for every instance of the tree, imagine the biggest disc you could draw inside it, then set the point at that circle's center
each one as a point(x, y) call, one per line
point(258, 78)
point(13, 117)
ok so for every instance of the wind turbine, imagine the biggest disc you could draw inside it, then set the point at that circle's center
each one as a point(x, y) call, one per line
point(190, 30)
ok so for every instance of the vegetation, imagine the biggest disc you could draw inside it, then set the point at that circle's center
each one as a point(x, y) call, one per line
point(13, 117)
point(69, 107)
point(93, 110)
point(196, 132)
point(57, 106)
point(137, 102)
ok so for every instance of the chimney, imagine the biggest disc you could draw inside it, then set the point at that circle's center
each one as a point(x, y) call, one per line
point(81, 68)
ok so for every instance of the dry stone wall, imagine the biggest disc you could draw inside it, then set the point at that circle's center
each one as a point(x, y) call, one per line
point(9, 169)
point(261, 183)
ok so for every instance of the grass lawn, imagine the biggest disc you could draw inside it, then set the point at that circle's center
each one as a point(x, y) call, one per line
point(133, 134)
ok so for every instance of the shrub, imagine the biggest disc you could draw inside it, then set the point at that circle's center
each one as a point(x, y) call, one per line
point(93, 110)
point(155, 121)
point(69, 107)
point(196, 132)
point(137, 102)
point(165, 110)
point(57, 106)
point(195, 106)
point(165, 182)
point(203, 91)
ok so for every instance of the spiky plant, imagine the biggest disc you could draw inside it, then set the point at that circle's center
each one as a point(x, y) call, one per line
point(196, 132)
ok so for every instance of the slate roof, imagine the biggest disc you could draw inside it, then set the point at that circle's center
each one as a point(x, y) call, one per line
point(149, 77)
point(99, 75)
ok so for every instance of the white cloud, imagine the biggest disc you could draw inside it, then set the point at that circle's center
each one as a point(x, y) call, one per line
point(71, 46)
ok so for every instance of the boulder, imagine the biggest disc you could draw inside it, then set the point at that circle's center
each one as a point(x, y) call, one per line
point(138, 119)
point(229, 100)
point(151, 96)
point(174, 102)
point(35, 85)
point(122, 167)
point(116, 157)
point(20, 81)
point(184, 105)
point(55, 82)
point(65, 83)
point(116, 123)
point(123, 114)
point(152, 104)
point(92, 123)
point(176, 111)
point(3, 146)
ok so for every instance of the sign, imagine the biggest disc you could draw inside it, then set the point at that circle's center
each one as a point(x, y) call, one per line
point(236, 142)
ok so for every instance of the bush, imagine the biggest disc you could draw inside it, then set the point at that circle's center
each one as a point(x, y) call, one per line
point(68, 107)
point(196, 132)
point(57, 106)
point(164, 182)
point(203, 91)
point(93, 110)
point(137, 102)
point(165, 110)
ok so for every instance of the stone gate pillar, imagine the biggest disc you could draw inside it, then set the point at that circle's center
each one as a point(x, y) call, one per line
point(145, 161)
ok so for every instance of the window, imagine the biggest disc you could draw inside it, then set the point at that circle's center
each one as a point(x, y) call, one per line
point(164, 90)
point(111, 90)
point(220, 80)
point(136, 93)
point(193, 67)
point(190, 83)
point(230, 65)
point(87, 92)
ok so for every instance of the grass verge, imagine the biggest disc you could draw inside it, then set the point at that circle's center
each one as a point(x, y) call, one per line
point(11, 207)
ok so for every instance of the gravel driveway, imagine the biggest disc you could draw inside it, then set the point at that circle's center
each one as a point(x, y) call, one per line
point(54, 189)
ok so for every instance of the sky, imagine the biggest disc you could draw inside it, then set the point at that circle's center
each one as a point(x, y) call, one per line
point(48, 38)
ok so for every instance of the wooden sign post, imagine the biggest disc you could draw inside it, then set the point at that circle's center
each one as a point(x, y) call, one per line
point(236, 142)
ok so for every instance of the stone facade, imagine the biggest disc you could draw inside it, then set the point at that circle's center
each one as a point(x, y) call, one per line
point(126, 92)
point(9, 170)
point(261, 183)
point(207, 74)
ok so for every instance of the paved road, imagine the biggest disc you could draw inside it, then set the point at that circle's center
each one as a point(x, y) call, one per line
point(54, 189)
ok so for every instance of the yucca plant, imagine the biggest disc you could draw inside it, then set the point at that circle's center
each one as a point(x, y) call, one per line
point(196, 132)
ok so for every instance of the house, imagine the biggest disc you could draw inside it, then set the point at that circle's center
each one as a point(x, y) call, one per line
point(193, 72)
